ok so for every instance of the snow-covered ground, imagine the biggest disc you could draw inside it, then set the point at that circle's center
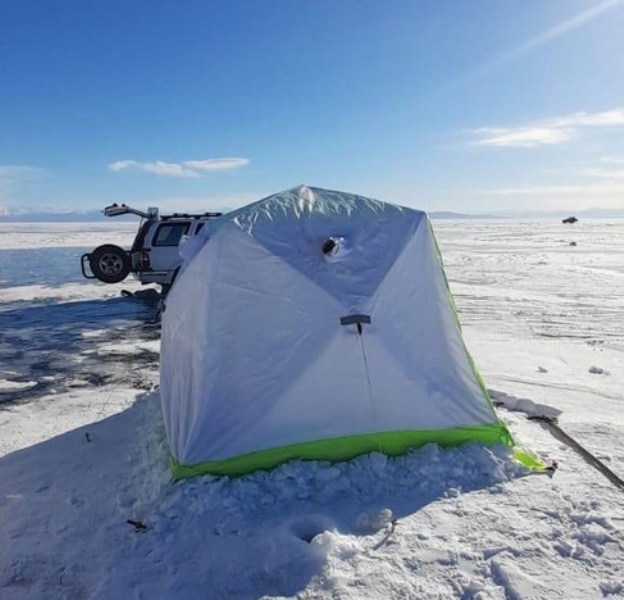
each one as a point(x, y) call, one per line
point(84, 452)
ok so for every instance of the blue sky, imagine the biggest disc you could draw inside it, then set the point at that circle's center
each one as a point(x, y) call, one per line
point(486, 105)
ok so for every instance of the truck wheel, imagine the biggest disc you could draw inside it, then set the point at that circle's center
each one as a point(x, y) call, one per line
point(109, 263)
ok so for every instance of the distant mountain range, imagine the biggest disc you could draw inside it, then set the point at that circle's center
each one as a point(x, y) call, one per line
point(26, 216)
point(587, 213)
point(446, 214)
point(90, 216)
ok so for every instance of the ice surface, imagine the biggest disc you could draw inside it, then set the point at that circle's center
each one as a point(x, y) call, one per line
point(84, 448)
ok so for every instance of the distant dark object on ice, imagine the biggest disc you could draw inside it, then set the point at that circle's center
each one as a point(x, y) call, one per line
point(569, 220)
point(572, 243)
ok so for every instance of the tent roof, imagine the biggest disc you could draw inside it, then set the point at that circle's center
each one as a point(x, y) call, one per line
point(294, 224)
point(304, 201)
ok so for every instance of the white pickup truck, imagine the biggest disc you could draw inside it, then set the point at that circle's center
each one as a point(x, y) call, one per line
point(154, 256)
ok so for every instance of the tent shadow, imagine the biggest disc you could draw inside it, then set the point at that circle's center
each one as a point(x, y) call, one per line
point(66, 503)
point(65, 500)
point(52, 345)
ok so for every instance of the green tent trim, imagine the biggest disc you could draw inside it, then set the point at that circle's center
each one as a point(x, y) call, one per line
point(524, 456)
point(392, 443)
point(451, 299)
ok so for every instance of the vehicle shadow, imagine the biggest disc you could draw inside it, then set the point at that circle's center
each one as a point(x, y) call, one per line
point(58, 346)
point(104, 490)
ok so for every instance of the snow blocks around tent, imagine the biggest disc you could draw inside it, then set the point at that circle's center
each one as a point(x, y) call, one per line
point(393, 443)
point(315, 325)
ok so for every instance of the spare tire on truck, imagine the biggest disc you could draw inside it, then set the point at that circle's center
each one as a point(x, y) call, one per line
point(110, 263)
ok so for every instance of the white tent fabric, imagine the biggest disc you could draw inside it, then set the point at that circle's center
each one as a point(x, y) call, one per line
point(254, 355)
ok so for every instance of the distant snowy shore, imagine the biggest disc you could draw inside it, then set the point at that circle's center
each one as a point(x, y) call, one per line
point(8, 215)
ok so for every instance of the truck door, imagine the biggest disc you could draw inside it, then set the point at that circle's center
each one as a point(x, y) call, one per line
point(164, 252)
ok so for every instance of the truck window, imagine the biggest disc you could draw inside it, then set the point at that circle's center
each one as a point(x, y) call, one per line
point(169, 234)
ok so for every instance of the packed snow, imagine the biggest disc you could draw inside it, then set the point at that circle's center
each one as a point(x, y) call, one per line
point(88, 508)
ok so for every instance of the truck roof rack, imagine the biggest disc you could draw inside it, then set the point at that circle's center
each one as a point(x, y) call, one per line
point(115, 210)
point(206, 215)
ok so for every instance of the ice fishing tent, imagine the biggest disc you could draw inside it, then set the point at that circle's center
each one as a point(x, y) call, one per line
point(315, 324)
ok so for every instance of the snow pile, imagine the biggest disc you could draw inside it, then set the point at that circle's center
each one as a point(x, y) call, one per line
point(68, 498)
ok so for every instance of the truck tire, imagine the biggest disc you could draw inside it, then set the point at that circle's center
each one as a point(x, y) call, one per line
point(109, 263)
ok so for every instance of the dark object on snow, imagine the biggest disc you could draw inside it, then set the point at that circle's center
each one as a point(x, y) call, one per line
point(138, 525)
point(569, 220)
point(572, 243)
point(150, 296)
point(87, 437)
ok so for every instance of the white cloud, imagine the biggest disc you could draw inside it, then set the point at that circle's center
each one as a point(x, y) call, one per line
point(521, 137)
point(549, 131)
point(189, 168)
point(168, 169)
point(606, 168)
point(605, 173)
point(608, 118)
point(122, 165)
point(217, 164)
point(618, 160)
point(157, 168)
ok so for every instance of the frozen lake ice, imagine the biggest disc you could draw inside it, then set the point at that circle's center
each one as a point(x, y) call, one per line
point(83, 449)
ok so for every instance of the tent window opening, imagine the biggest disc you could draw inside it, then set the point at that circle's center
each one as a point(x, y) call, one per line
point(328, 246)
point(334, 248)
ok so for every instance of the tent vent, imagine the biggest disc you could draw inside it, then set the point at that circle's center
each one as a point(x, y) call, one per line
point(335, 248)
point(355, 319)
